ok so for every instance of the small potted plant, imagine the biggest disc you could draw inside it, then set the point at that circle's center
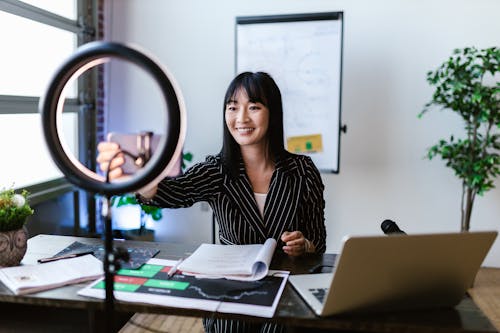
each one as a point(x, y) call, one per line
point(14, 211)
point(142, 233)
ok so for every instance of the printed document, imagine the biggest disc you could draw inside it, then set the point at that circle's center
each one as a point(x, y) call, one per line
point(234, 262)
point(27, 279)
point(152, 284)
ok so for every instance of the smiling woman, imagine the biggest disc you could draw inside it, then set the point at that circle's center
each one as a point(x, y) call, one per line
point(247, 120)
point(252, 163)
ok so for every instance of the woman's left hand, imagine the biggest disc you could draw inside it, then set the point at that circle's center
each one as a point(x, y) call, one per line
point(295, 243)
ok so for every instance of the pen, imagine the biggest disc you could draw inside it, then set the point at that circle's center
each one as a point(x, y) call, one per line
point(173, 269)
point(66, 256)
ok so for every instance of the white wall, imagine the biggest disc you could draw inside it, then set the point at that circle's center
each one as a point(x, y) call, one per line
point(388, 48)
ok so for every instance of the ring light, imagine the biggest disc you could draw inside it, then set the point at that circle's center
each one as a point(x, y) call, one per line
point(168, 151)
point(51, 106)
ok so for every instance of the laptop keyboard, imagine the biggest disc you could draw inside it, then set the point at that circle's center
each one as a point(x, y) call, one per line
point(319, 293)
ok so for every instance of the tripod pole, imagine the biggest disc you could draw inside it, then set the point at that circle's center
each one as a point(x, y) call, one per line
point(109, 266)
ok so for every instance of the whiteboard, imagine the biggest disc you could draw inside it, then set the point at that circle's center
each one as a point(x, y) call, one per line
point(303, 53)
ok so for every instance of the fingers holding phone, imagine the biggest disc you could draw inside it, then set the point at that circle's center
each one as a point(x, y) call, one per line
point(138, 149)
point(106, 152)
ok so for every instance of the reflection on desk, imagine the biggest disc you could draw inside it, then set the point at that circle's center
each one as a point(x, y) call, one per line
point(486, 293)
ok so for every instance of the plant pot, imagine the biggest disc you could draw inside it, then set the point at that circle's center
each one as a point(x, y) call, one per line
point(13, 245)
point(147, 235)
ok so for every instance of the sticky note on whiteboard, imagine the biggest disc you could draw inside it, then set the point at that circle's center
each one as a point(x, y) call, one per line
point(305, 143)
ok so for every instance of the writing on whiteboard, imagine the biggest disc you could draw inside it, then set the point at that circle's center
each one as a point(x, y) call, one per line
point(304, 57)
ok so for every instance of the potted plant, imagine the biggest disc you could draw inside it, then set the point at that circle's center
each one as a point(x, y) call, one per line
point(142, 233)
point(468, 84)
point(14, 211)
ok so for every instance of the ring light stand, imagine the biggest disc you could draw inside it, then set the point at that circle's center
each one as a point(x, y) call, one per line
point(168, 150)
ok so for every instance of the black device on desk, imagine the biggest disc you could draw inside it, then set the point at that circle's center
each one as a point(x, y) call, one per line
point(390, 227)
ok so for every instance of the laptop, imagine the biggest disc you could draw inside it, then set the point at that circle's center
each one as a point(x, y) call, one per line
point(396, 272)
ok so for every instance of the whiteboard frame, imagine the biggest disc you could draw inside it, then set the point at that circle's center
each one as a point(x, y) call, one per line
point(270, 19)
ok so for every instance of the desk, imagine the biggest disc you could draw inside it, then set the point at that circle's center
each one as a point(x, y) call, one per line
point(292, 310)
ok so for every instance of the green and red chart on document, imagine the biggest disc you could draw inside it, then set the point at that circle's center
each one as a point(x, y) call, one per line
point(152, 284)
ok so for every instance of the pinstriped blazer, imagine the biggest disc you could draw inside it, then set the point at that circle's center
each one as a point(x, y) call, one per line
point(294, 201)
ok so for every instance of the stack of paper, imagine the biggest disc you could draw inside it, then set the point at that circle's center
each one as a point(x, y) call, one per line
point(33, 278)
point(235, 262)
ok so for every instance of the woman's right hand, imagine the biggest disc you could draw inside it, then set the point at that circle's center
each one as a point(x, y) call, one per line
point(106, 152)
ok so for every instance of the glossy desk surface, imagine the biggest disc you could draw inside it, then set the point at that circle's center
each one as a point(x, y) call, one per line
point(292, 311)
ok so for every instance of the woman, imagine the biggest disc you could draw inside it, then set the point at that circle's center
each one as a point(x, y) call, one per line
point(256, 188)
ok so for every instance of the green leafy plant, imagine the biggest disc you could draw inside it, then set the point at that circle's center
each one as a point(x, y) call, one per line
point(186, 157)
point(14, 209)
point(129, 199)
point(468, 83)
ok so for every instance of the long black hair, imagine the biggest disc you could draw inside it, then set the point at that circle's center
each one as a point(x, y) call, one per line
point(260, 88)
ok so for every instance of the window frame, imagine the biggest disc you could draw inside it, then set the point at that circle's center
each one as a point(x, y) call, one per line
point(84, 29)
point(40, 15)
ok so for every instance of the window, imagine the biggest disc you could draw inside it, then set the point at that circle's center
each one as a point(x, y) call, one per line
point(64, 8)
point(29, 63)
point(44, 34)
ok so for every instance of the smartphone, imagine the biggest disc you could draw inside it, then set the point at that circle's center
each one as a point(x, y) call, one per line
point(144, 143)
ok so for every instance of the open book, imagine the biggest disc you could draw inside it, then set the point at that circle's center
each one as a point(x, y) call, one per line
point(27, 279)
point(235, 262)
